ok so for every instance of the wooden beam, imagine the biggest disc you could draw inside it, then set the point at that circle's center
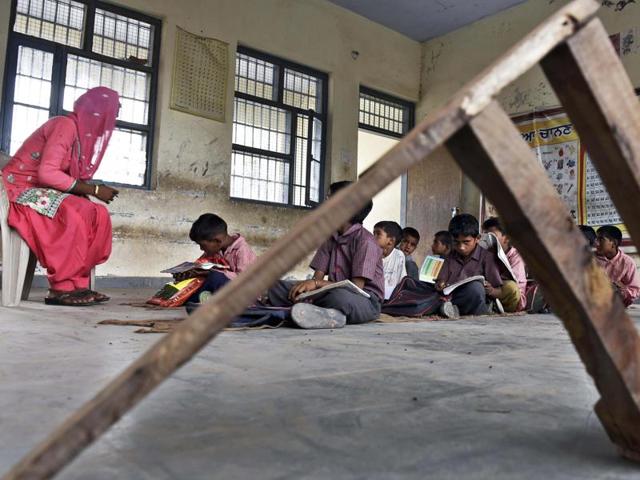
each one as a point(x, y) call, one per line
point(163, 358)
point(491, 151)
point(596, 92)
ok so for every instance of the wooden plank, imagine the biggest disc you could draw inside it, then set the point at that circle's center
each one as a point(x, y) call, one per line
point(163, 358)
point(491, 151)
point(596, 92)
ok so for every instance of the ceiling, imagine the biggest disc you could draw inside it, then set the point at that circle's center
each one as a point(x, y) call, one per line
point(425, 19)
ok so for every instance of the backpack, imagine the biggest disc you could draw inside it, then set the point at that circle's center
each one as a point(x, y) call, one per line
point(412, 298)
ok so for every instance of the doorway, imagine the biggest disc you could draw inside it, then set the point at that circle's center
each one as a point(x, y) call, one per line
point(390, 203)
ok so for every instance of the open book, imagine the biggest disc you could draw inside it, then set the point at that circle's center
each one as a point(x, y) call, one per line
point(431, 268)
point(186, 266)
point(453, 286)
point(342, 284)
point(490, 242)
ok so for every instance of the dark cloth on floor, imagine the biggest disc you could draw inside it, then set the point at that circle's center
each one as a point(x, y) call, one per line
point(257, 316)
point(356, 307)
point(412, 298)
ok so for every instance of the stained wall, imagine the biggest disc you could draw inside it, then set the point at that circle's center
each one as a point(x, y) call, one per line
point(193, 155)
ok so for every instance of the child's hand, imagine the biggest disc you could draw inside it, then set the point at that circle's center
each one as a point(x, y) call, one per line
point(490, 290)
point(305, 286)
point(440, 286)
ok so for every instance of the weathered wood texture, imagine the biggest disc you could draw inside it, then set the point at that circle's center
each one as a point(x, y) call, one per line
point(126, 390)
point(596, 92)
point(491, 151)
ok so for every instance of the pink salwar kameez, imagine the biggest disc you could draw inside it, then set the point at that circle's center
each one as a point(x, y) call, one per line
point(69, 234)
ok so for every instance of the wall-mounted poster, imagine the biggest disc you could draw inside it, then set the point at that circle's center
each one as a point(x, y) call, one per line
point(557, 147)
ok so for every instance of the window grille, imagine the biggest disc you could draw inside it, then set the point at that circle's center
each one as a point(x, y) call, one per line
point(58, 49)
point(279, 126)
point(385, 114)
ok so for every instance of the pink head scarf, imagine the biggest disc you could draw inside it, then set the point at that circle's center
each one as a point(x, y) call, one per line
point(95, 115)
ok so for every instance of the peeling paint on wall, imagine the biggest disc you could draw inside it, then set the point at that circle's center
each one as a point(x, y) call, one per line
point(433, 57)
point(519, 100)
point(617, 5)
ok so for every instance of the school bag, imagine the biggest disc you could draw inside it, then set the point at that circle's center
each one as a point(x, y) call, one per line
point(413, 298)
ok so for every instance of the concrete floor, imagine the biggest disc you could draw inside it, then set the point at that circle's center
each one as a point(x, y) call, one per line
point(495, 398)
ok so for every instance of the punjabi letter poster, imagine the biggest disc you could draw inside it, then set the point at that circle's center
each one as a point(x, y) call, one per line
point(551, 136)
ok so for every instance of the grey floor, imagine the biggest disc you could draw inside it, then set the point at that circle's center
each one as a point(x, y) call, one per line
point(495, 398)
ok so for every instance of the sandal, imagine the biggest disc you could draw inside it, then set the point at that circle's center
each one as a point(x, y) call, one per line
point(98, 297)
point(71, 299)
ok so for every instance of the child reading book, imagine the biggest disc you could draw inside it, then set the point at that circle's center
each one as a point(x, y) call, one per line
point(468, 259)
point(619, 266)
point(350, 254)
point(408, 245)
point(228, 255)
point(514, 278)
point(388, 235)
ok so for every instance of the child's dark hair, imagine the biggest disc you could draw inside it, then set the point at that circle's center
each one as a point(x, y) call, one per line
point(206, 227)
point(589, 233)
point(612, 233)
point(445, 238)
point(464, 224)
point(411, 232)
point(392, 229)
point(493, 222)
point(362, 214)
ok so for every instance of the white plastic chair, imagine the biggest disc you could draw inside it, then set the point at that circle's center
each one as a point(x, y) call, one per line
point(18, 263)
point(17, 260)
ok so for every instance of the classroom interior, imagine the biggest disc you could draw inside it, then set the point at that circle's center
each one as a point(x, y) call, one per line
point(339, 82)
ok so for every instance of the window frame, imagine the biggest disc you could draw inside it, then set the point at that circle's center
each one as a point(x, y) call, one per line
point(283, 64)
point(410, 108)
point(61, 53)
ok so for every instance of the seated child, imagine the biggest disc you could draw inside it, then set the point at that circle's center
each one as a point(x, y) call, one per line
point(589, 233)
point(619, 266)
point(441, 246)
point(352, 253)
point(468, 259)
point(209, 231)
point(231, 253)
point(388, 235)
point(408, 245)
point(514, 293)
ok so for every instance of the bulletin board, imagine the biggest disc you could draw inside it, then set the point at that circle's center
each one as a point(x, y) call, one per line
point(556, 145)
point(200, 70)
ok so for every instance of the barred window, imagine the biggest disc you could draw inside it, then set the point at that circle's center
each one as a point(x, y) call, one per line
point(58, 49)
point(382, 113)
point(279, 125)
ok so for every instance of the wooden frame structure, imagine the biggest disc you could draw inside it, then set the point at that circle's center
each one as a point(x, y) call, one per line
point(598, 96)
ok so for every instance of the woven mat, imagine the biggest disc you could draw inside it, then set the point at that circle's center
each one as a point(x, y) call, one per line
point(167, 325)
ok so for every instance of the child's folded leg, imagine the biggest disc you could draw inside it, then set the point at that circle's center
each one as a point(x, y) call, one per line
point(510, 296)
point(470, 299)
point(215, 281)
point(278, 294)
point(357, 308)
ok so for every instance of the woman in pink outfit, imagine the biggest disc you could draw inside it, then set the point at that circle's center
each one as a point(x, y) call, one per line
point(50, 208)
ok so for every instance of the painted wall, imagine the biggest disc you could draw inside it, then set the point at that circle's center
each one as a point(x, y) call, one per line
point(151, 227)
point(448, 62)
